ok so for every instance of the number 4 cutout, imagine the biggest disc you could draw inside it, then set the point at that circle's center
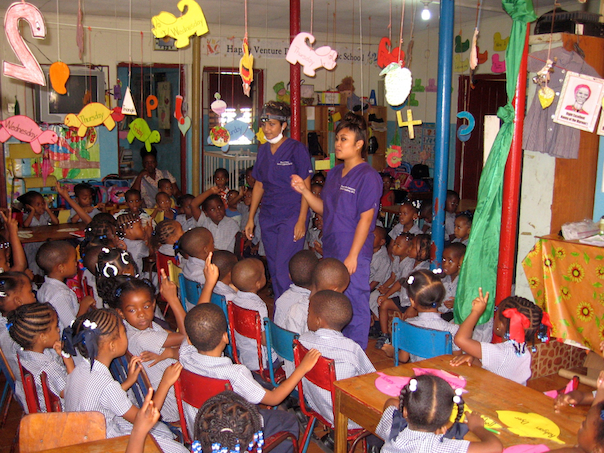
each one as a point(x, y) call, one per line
point(29, 70)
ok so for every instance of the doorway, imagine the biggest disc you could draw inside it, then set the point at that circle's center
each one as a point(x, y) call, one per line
point(482, 97)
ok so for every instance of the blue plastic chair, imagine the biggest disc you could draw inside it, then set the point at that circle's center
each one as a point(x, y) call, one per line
point(282, 341)
point(419, 341)
point(189, 291)
point(222, 303)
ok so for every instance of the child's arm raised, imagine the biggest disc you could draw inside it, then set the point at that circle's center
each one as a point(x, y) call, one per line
point(489, 443)
point(19, 259)
point(196, 202)
point(169, 293)
point(210, 272)
point(145, 419)
point(463, 338)
point(80, 212)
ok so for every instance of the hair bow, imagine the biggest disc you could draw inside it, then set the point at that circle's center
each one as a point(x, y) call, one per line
point(545, 328)
point(518, 324)
point(196, 447)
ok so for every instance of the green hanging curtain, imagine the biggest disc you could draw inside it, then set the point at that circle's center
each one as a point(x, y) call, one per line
point(479, 268)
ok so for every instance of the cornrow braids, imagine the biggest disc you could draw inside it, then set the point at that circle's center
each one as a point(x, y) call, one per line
point(425, 288)
point(101, 229)
point(10, 282)
point(165, 229)
point(429, 402)
point(229, 420)
point(89, 330)
point(533, 313)
point(26, 322)
point(125, 221)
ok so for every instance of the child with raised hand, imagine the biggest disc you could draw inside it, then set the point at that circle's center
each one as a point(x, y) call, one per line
point(134, 300)
point(167, 233)
point(135, 237)
point(426, 404)
point(407, 221)
point(100, 337)
point(463, 227)
point(453, 255)
point(11, 250)
point(426, 293)
point(84, 197)
point(59, 261)
point(224, 261)
point(509, 359)
point(34, 327)
point(195, 246)
point(145, 419)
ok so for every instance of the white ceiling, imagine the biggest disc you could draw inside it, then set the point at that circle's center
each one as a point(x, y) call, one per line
point(275, 13)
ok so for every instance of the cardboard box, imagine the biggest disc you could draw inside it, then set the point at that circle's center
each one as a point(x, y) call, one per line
point(328, 97)
point(594, 364)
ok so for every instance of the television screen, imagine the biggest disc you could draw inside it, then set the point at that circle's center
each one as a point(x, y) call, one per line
point(73, 100)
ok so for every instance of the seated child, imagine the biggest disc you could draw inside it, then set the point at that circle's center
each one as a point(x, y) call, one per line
point(381, 265)
point(37, 213)
point(59, 261)
point(90, 259)
point(407, 221)
point(163, 209)
point(100, 337)
point(509, 359)
point(244, 208)
point(195, 245)
point(223, 229)
point(328, 313)
point(425, 214)
point(185, 216)
point(167, 233)
point(314, 236)
point(426, 403)
point(134, 300)
point(34, 328)
point(134, 205)
point(135, 237)
point(102, 230)
point(301, 268)
point(11, 250)
point(318, 178)
point(426, 293)
point(451, 204)
point(452, 259)
point(231, 211)
point(165, 185)
point(463, 226)
point(316, 190)
point(329, 273)
point(221, 179)
point(84, 197)
point(387, 194)
point(224, 261)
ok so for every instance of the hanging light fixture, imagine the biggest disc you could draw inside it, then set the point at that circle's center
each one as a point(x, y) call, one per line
point(426, 15)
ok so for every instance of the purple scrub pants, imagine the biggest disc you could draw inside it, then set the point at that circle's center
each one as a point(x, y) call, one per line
point(358, 293)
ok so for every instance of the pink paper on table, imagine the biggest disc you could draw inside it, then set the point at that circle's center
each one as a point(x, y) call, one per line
point(527, 449)
point(572, 385)
point(391, 385)
point(454, 380)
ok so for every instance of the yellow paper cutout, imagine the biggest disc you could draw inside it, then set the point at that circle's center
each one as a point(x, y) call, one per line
point(180, 28)
point(460, 65)
point(246, 68)
point(322, 164)
point(409, 123)
point(94, 114)
point(260, 136)
point(530, 425)
point(488, 421)
point(336, 117)
point(546, 97)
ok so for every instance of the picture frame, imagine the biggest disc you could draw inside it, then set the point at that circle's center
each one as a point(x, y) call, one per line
point(580, 101)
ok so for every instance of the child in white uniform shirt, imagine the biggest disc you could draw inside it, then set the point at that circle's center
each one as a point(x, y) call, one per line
point(224, 261)
point(185, 218)
point(195, 246)
point(213, 217)
point(453, 256)
point(135, 237)
point(407, 221)
point(167, 233)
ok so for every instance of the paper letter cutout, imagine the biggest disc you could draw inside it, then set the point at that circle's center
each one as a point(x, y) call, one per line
point(94, 114)
point(300, 52)
point(409, 123)
point(140, 130)
point(26, 130)
point(180, 28)
point(394, 155)
point(151, 104)
point(464, 132)
point(386, 56)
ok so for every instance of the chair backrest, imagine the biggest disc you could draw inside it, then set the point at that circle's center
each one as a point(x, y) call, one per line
point(44, 431)
point(195, 390)
point(174, 273)
point(161, 261)
point(189, 291)
point(281, 341)
point(419, 341)
point(29, 388)
point(323, 375)
point(119, 371)
point(246, 323)
point(219, 300)
point(52, 401)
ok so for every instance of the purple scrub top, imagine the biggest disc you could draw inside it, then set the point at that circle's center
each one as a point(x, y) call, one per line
point(274, 172)
point(344, 200)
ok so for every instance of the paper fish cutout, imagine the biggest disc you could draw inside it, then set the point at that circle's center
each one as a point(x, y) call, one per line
point(151, 104)
point(482, 57)
point(59, 74)
point(455, 380)
point(464, 132)
point(497, 67)
point(461, 47)
point(387, 56)
point(300, 52)
point(546, 96)
point(431, 88)
point(92, 115)
point(218, 106)
point(499, 45)
point(410, 123)
point(128, 107)
point(140, 130)
point(397, 83)
point(412, 102)
point(474, 51)
point(193, 22)
point(391, 385)
point(460, 65)
point(246, 68)
point(418, 87)
point(26, 130)
point(219, 137)
point(530, 425)
point(394, 156)
point(29, 70)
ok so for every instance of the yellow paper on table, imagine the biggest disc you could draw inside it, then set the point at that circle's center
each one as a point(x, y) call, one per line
point(488, 422)
point(530, 425)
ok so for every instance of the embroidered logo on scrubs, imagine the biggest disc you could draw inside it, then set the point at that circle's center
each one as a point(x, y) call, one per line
point(347, 189)
point(284, 163)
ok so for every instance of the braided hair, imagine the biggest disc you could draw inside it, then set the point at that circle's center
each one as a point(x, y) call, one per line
point(115, 289)
point(26, 322)
point(425, 288)
point(429, 402)
point(229, 420)
point(125, 221)
point(85, 334)
point(165, 229)
point(533, 313)
point(112, 262)
point(11, 282)
point(100, 231)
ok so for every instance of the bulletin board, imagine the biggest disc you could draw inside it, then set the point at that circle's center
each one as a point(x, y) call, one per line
point(422, 147)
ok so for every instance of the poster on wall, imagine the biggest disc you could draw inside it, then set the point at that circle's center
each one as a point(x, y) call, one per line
point(580, 101)
point(421, 148)
point(71, 158)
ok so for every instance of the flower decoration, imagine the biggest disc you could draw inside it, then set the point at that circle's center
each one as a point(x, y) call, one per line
point(565, 292)
point(549, 263)
point(600, 272)
point(585, 311)
point(560, 253)
point(576, 272)
point(533, 282)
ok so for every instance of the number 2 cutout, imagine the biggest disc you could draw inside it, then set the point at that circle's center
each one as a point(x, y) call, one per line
point(29, 70)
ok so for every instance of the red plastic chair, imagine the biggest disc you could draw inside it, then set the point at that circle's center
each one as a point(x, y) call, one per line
point(323, 375)
point(52, 401)
point(249, 324)
point(86, 288)
point(161, 262)
point(29, 388)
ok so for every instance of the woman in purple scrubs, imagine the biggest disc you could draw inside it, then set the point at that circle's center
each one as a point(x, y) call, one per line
point(349, 204)
point(283, 217)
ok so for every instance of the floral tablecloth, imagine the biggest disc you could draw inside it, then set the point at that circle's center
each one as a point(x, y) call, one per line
point(567, 281)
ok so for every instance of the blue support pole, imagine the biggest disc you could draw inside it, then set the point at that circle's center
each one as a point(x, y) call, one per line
point(443, 125)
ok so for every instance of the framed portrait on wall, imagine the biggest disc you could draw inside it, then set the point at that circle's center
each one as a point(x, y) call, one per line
point(580, 101)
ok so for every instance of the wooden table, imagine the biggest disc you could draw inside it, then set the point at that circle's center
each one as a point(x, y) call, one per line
point(358, 399)
point(52, 232)
point(113, 445)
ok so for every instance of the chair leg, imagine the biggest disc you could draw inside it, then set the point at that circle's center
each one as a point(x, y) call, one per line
point(361, 437)
point(305, 441)
point(9, 398)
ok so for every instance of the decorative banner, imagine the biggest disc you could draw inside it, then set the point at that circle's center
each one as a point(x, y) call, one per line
point(180, 28)
point(128, 107)
point(218, 106)
point(246, 68)
point(530, 425)
point(59, 74)
point(151, 104)
point(219, 137)
point(94, 114)
point(140, 130)
point(386, 56)
point(461, 47)
point(397, 83)
point(184, 122)
point(464, 132)
point(300, 52)
point(409, 123)
point(497, 67)
point(499, 45)
point(71, 158)
point(26, 130)
point(29, 70)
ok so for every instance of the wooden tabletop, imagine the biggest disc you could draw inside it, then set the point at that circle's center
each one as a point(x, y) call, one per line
point(358, 399)
point(113, 445)
point(50, 232)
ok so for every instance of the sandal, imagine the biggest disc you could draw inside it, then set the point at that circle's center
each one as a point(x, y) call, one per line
point(381, 341)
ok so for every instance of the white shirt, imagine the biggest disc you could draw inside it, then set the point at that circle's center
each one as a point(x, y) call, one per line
point(297, 317)
point(381, 266)
point(139, 250)
point(224, 233)
point(287, 300)
point(399, 228)
point(451, 290)
point(50, 363)
point(247, 348)
point(61, 298)
point(501, 359)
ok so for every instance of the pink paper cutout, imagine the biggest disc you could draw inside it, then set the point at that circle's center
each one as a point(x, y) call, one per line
point(26, 130)
point(498, 66)
point(391, 385)
point(572, 385)
point(527, 449)
point(300, 52)
point(454, 380)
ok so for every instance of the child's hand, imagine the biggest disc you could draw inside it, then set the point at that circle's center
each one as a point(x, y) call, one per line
point(168, 287)
point(381, 300)
point(62, 191)
point(569, 399)
point(297, 183)
point(134, 367)
point(210, 271)
point(148, 356)
point(382, 289)
point(101, 207)
point(88, 302)
point(29, 208)
point(318, 247)
point(58, 347)
point(309, 360)
point(11, 224)
point(474, 421)
point(461, 359)
point(215, 190)
point(479, 305)
point(171, 374)
point(147, 416)
point(449, 302)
